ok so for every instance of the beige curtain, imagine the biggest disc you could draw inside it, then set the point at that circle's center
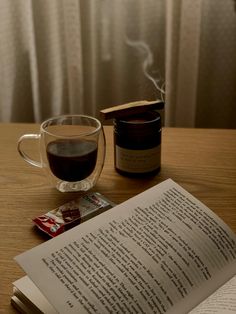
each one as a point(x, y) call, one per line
point(78, 56)
point(201, 63)
point(71, 56)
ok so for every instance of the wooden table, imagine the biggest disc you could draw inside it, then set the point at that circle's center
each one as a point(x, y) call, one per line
point(203, 161)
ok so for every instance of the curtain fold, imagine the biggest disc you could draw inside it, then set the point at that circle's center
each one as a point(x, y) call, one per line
point(184, 30)
point(73, 56)
point(216, 97)
point(15, 80)
point(79, 56)
point(201, 63)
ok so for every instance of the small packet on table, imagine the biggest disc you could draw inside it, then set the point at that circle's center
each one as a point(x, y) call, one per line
point(72, 213)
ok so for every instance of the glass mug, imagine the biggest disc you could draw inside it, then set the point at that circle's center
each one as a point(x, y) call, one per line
point(72, 151)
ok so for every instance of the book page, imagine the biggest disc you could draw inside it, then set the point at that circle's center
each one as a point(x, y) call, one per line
point(162, 251)
point(223, 301)
point(27, 293)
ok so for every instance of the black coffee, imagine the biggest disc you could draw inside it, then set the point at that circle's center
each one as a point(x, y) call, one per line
point(72, 160)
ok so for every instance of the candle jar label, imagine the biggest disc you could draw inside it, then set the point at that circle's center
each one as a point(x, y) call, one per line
point(138, 161)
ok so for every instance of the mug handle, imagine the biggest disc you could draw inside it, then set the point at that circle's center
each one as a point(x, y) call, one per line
point(23, 154)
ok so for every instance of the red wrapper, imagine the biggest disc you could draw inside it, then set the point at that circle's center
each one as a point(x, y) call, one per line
point(72, 213)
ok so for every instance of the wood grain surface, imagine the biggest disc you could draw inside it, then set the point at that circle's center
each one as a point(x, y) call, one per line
point(203, 161)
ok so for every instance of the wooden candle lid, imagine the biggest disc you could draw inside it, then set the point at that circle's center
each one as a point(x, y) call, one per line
point(131, 108)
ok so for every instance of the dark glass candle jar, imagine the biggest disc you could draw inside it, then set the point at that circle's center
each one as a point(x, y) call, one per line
point(137, 144)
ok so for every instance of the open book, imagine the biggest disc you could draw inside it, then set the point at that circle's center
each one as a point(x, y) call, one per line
point(161, 251)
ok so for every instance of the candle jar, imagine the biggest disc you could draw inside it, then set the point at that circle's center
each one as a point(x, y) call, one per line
point(137, 144)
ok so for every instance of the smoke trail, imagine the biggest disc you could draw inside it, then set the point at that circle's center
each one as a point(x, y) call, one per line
point(148, 62)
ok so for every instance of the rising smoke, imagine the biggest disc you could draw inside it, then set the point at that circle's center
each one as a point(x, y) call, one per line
point(145, 50)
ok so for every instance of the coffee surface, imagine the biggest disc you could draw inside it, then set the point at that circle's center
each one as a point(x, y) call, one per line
point(72, 160)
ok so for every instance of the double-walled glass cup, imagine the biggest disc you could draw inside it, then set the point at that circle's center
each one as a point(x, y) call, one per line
point(72, 151)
